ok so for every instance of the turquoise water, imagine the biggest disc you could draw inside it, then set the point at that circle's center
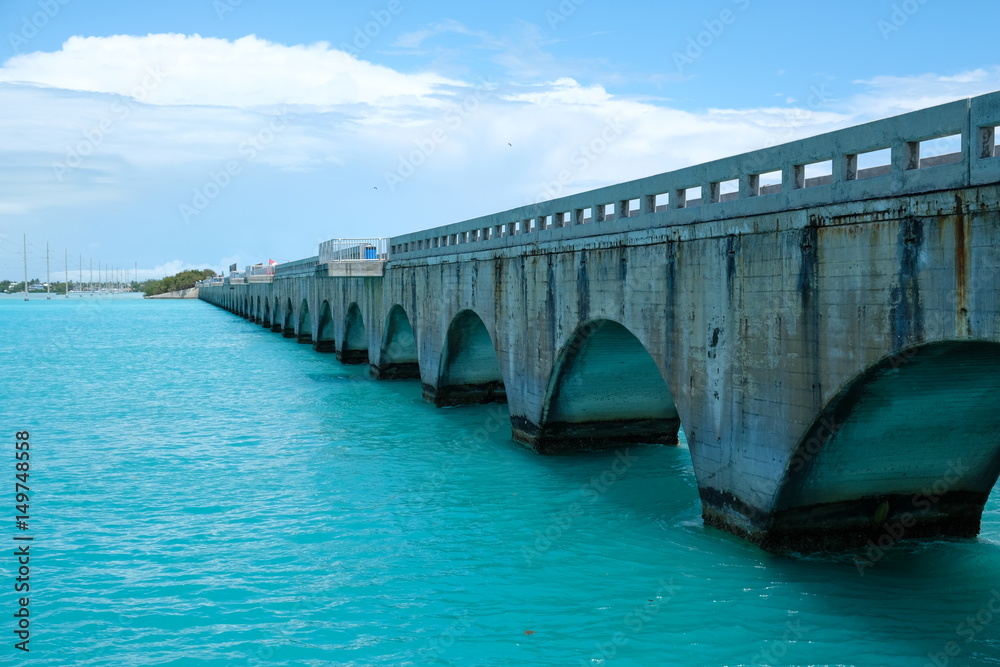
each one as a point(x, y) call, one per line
point(205, 492)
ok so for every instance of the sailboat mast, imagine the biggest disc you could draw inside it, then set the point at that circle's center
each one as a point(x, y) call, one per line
point(25, 267)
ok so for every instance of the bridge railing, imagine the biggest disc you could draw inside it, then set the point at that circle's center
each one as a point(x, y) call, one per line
point(260, 270)
point(299, 267)
point(353, 250)
point(949, 146)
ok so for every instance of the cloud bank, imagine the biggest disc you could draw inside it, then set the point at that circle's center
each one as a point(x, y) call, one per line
point(114, 119)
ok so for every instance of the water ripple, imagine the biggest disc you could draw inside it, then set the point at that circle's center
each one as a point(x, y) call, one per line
point(208, 493)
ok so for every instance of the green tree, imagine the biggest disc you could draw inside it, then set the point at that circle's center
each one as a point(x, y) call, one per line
point(180, 281)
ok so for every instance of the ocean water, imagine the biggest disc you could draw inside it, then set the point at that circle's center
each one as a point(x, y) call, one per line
point(205, 492)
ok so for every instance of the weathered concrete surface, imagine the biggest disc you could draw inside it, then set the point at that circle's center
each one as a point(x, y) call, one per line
point(832, 353)
point(179, 294)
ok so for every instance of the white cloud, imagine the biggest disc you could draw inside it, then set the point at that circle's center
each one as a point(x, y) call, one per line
point(171, 69)
point(890, 95)
point(415, 39)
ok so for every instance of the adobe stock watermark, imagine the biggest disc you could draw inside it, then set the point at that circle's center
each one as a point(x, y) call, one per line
point(451, 121)
point(268, 652)
point(821, 436)
point(900, 16)
point(714, 28)
point(582, 159)
point(223, 7)
point(562, 13)
point(447, 637)
point(218, 181)
point(973, 626)
point(634, 622)
point(364, 35)
point(588, 493)
point(32, 25)
point(775, 651)
point(495, 420)
point(895, 531)
point(819, 97)
point(94, 137)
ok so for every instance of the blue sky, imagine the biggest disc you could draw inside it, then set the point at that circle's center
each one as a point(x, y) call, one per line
point(198, 133)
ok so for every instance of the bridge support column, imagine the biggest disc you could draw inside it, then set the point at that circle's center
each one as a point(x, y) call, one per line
point(288, 332)
point(607, 392)
point(880, 463)
point(276, 327)
point(352, 357)
point(466, 394)
point(396, 371)
point(325, 346)
point(566, 437)
point(882, 520)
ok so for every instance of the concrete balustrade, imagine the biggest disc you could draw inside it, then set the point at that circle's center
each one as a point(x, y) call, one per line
point(974, 120)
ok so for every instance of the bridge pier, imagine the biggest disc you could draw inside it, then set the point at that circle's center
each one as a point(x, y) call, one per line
point(880, 519)
point(569, 437)
point(352, 357)
point(466, 394)
point(396, 371)
point(325, 346)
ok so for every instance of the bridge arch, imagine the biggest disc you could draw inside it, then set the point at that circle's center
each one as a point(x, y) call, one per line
point(288, 328)
point(325, 341)
point(606, 390)
point(304, 332)
point(257, 314)
point(276, 320)
point(354, 349)
point(470, 370)
point(398, 355)
point(913, 441)
point(266, 318)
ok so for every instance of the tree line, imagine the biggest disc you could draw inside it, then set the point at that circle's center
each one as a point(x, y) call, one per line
point(182, 280)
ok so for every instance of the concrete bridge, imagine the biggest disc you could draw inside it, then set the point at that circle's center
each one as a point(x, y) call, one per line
point(822, 318)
